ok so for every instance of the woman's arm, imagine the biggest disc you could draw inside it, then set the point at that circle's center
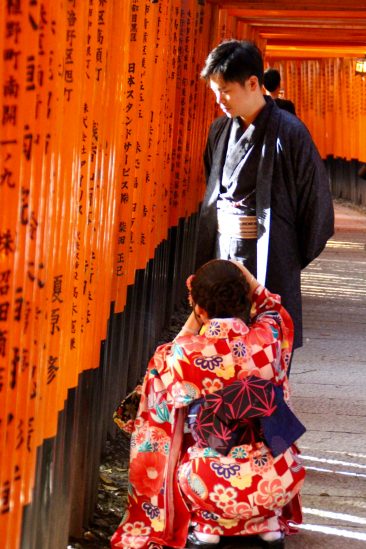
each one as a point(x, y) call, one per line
point(264, 302)
point(191, 326)
point(250, 278)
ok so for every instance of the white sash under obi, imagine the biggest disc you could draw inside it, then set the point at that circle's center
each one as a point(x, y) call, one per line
point(243, 226)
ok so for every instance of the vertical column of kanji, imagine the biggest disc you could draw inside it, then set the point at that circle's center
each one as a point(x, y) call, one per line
point(155, 226)
point(330, 124)
point(286, 78)
point(64, 226)
point(167, 40)
point(20, 272)
point(107, 112)
point(129, 104)
point(160, 123)
point(135, 145)
point(185, 114)
point(356, 101)
point(78, 74)
point(217, 33)
point(294, 86)
point(352, 123)
point(178, 132)
point(357, 91)
point(51, 315)
point(40, 78)
point(304, 67)
point(80, 19)
point(361, 90)
point(309, 84)
point(118, 200)
point(320, 94)
point(208, 101)
point(147, 127)
point(287, 71)
point(12, 92)
point(299, 86)
point(196, 110)
point(339, 98)
point(209, 106)
point(338, 107)
point(88, 154)
point(316, 97)
point(346, 113)
point(189, 113)
point(312, 98)
point(353, 109)
point(169, 58)
point(347, 129)
point(342, 145)
point(95, 151)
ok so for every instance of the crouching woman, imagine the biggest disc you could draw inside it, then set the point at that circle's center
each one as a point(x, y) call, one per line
point(213, 446)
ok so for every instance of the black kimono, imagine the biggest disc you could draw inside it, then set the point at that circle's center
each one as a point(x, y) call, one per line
point(285, 104)
point(294, 205)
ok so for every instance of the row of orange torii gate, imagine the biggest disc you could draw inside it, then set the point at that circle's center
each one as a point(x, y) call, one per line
point(104, 120)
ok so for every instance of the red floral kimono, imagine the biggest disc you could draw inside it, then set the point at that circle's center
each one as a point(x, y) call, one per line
point(173, 483)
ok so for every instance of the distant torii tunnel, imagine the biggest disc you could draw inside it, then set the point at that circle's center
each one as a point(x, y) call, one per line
point(104, 120)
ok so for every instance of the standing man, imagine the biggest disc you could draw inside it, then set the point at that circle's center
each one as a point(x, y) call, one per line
point(272, 83)
point(268, 202)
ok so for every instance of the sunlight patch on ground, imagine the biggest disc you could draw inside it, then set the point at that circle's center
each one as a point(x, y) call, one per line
point(340, 244)
point(334, 461)
point(336, 281)
point(330, 530)
point(344, 473)
point(339, 452)
point(332, 515)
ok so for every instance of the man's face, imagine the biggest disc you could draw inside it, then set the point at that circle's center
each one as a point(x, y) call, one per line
point(234, 99)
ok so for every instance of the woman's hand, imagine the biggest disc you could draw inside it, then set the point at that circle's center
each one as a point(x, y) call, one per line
point(192, 326)
point(252, 281)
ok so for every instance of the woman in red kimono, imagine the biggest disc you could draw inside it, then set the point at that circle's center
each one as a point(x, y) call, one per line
point(183, 492)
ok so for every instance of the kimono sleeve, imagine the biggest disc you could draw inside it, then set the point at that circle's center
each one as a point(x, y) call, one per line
point(179, 376)
point(315, 213)
point(268, 311)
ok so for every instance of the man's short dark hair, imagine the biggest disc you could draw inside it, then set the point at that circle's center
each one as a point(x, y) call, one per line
point(234, 61)
point(271, 79)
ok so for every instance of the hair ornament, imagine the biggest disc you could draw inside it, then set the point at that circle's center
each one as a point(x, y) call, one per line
point(189, 281)
point(189, 286)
